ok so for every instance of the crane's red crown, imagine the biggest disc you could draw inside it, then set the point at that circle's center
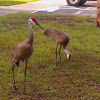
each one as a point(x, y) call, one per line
point(33, 19)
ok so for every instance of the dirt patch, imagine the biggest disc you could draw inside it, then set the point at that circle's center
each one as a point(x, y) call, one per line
point(64, 19)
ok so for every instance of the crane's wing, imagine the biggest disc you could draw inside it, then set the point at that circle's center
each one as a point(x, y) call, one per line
point(55, 34)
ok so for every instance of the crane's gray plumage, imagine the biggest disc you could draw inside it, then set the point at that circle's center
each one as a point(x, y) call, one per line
point(23, 50)
point(59, 37)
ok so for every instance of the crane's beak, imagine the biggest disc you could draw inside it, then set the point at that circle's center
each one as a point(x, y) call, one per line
point(38, 25)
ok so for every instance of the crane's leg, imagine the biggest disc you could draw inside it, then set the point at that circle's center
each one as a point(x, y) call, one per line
point(56, 55)
point(60, 54)
point(14, 77)
point(25, 76)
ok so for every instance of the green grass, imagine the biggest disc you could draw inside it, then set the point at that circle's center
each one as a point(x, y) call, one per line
point(45, 81)
point(13, 2)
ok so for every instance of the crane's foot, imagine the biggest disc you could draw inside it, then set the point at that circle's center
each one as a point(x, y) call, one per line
point(15, 89)
point(60, 63)
point(56, 64)
point(25, 93)
point(59, 66)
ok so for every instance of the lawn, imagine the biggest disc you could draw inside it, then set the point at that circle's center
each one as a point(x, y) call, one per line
point(13, 2)
point(45, 81)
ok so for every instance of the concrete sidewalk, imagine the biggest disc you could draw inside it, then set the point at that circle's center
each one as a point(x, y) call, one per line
point(33, 7)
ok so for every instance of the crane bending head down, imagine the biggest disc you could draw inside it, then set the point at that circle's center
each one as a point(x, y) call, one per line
point(61, 38)
point(67, 54)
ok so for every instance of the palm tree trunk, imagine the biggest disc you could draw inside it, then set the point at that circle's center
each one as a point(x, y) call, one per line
point(98, 13)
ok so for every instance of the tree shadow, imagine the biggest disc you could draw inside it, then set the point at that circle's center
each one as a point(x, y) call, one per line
point(87, 5)
point(90, 4)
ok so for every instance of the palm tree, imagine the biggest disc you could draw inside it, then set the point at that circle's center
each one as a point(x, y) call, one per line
point(98, 13)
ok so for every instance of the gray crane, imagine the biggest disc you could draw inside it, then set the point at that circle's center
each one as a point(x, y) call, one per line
point(61, 38)
point(23, 50)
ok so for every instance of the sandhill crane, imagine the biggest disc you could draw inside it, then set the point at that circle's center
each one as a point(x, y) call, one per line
point(61, 38)
point(23, 50)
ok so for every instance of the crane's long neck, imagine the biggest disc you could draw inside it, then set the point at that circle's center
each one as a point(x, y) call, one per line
point(66, 51)
point(31, 32)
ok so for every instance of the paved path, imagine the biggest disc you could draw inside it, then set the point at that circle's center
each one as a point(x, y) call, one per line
point(31, 6)
point(69, 10)
point(89, 8)
point(50, 6)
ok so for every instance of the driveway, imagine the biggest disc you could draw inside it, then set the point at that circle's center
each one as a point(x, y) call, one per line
point(89, 8)
point(51, 6)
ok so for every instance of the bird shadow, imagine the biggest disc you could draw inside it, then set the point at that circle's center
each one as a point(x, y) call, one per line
point(21, 92)
point(64, 65)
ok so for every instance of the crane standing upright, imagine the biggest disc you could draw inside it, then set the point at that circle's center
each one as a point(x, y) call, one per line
point(61, 38)
point(23, 50)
